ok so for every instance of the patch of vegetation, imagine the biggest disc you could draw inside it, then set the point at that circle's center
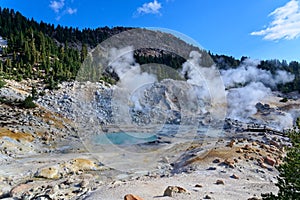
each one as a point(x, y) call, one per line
point(289, 177)
point(283, 100)
point(28, 103)
point(43, 51)
point(2, 83)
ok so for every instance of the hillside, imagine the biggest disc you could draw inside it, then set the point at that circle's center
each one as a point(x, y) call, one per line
point(54, 54)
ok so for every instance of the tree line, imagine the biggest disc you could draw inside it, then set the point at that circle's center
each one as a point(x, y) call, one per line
point(42, 51)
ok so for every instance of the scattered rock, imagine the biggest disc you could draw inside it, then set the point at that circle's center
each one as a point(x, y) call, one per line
point(254, 143)
point(207, 197)
point(247, 147)
point(217, 160)
point(198, 186)
point(174, 189)
point(270, 161)
point(229, 161)
point(240, 150)
point(231, 143)
point(220, 182)
point(132, 197)
point(235, 176)
point(83, 184)
point(212, 168)
point(254, 198)
point(275, 144)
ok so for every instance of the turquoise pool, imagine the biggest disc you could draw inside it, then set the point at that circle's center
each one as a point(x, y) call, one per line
point(125, 138)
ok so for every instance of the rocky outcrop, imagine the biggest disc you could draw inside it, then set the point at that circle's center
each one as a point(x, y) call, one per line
point(48, 173)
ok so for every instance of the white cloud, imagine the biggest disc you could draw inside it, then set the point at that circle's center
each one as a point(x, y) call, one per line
point(150, 8)
point(56, 6)
point(71, 11)
point(61, 9)
point(285, 25)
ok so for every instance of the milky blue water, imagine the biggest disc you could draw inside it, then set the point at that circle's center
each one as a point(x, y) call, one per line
point(125, 138)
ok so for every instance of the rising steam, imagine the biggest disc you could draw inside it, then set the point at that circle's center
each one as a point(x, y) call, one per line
point(248, 85)
point(123, 63)
point(245, 86)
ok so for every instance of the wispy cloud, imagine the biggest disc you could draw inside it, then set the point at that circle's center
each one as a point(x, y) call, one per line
point(150, 8)
point(61, 9)
point(56, 6)
point(71, 11)
point(285, 25)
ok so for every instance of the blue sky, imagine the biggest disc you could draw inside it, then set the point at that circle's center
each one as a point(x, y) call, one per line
point(263, 29)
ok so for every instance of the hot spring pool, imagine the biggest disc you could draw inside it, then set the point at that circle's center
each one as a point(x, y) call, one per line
point(125, 138)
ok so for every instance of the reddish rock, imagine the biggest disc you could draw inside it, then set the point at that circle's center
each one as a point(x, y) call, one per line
point(275, 144)
point(247, 147)
point(278, 161)
point(262, 165)
point(231, 143)
point(235, 176)
point(132, 197)
point(229, 161)
point(270, 161)
point(240, 150)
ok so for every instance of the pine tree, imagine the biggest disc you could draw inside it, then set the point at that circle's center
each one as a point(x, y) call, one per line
point(83, 52)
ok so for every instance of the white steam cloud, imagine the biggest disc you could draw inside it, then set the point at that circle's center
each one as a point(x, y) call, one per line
point(129, 72)
point(123, 63)
point(248, 85)
point(248, 72)
point(242, 101)
point(209, 84)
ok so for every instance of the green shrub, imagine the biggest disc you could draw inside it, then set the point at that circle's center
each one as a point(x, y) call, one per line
point(28, 103)
point(284, 100)
point(2, 83)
